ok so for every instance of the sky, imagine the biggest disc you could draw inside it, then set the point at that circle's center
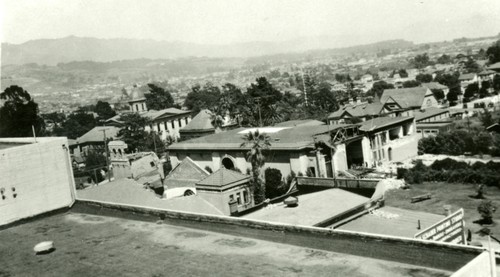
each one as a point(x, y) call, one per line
point(236, 21)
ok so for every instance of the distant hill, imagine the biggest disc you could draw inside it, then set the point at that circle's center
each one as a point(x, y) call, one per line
point(54, 51)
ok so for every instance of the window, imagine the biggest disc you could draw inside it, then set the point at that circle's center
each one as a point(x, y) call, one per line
point(231, 198)
point(165, 125)
point(419, 131)
point(384, 138)
point(172, 124)
point(152, 164)
point(180, 122)
point(245, 196)
point(158, 126)
point(238, 198)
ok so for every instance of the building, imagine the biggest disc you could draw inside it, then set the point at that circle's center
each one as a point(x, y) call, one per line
point(432, 121)
point(436, 85)
point(37, 177)
point(227, 190)
point(308, 149)
point(361, 111)
point(201, 125)
point(94, 140)
point(181, 181)
point(167, 122)
point(405, 100)
point(495, 67)
point(467, 79)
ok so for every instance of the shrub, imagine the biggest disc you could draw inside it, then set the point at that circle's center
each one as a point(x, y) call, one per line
point(209, 169)
point(274, 184)
point(486, 210)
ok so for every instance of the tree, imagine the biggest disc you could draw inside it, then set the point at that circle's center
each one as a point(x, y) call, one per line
point(493, 52)
point(438, 93)
point(411, 84)
point(204, 97)
point(258, 143)
point(420, 61)
point(486, 210)
point(452, 95)
point(424, 78)
point(77, 124)
point(471, 90)
point(444, 59)
point(104, 110)
point(378, 88)
point(486, 118)
point(19, 114)
point(402, 73)
point(158, 98)
point(133, 132)
point(93, 162)
point(325, 99)
point(471, 66)
point(264, 91)
point(274, 183)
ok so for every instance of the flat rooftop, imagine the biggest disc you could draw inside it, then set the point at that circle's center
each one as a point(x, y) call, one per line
point(89, 245)
point(313, 208)
point(129, 192)
point(392, 221)
point(5, 145)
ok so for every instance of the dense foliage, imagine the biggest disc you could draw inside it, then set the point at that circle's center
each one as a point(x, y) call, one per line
point(452, 171)
point(458, 142)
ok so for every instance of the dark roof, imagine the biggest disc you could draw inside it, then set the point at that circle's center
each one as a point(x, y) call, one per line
point(429, 112)
point(358, 110)
point(185, 174)
point(381, 122)
point(406, 97)
point(282, 138)
point(222, 179)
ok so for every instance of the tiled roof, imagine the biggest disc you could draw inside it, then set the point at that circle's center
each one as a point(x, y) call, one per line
point(406, 97)
point(358, 110)
point(97, 134)
point(282, 138)
point(380, 122)
point(434, 85)
point(223, 177)
point(185, 174)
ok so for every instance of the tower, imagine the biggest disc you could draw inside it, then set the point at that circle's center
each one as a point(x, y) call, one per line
point(119, 160)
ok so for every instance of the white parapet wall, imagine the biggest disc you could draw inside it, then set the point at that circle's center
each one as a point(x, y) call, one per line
point(35, 178)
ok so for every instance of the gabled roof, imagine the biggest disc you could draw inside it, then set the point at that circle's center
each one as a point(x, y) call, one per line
point(381, 122)
point(185, 174)
point(406, 97)
point(222, 179)
point(97, 134)
point(358, 110)
point(486, 72)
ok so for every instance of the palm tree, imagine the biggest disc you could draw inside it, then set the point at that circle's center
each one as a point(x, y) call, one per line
point(257, 143)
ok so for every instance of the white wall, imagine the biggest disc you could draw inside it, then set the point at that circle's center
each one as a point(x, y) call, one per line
point(41, 174)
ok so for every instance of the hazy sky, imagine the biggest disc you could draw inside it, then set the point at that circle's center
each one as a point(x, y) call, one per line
point(230, 21)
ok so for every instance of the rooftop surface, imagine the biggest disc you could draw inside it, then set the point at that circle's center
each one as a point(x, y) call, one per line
point(88, 245)
point(97, 134)
point(392, 221)
point(405, 97)
point(293, 138)
point(128, 192)
point(5, 145)
point(429, 112)
point(381, 122)
point(313, 208)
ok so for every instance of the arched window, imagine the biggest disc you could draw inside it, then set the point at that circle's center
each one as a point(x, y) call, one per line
point(227, 163)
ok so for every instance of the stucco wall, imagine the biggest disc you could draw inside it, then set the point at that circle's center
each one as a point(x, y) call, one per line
point(41, 175)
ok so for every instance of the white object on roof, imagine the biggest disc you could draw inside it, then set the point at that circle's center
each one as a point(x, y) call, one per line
point(265, 130)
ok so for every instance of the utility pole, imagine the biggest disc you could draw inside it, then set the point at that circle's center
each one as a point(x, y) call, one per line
point(106, 151)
